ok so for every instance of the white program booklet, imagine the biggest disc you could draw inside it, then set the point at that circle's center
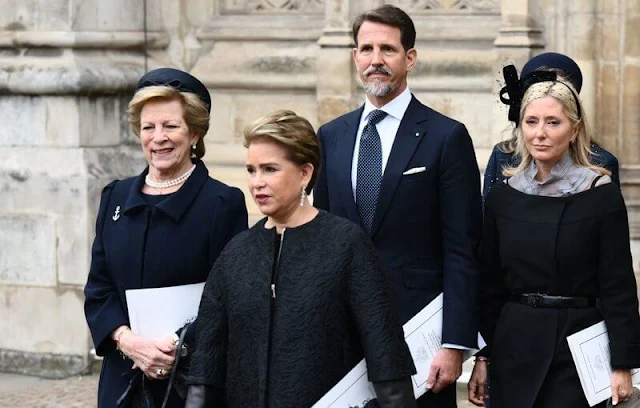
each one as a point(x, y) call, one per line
point(423, 334)
point(590, 352)
point(158, 312)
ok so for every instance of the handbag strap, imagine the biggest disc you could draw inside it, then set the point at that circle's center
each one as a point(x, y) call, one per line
point(174, 368)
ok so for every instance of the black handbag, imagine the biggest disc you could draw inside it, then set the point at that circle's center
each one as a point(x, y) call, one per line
point(138, 393)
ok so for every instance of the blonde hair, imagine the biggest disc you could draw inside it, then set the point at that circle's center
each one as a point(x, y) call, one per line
point(195, 112)
point(509, 146)
point(580, 148)
point(294, 133)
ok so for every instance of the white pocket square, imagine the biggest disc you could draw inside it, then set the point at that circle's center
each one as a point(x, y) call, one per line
point(414, 170)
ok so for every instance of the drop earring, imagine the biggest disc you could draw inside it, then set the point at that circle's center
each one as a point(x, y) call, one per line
point(303, 195)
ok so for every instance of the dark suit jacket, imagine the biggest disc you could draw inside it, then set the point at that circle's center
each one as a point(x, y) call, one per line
point(427, 225)
point(173, 243)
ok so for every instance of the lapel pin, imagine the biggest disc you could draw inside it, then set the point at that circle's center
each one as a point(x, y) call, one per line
point(417, 134)
point(116, 215)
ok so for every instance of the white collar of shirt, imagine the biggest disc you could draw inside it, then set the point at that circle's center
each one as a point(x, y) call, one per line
point(387, 129)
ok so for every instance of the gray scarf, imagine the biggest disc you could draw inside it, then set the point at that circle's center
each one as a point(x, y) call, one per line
point(566, 178)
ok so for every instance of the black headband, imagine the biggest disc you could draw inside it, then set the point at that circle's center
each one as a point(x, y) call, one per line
point(515, 89)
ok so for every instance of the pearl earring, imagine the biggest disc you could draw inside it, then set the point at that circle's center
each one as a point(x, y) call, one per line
point(193, 147)
point(303, 195)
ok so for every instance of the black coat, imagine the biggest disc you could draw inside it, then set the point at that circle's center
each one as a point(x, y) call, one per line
point(566, 246)
point(332, 308)
point(173, 243)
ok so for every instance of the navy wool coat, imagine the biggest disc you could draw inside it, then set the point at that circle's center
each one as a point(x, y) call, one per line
point(138, 245)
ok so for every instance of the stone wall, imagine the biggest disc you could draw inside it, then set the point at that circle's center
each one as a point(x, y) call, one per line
point(68, 67)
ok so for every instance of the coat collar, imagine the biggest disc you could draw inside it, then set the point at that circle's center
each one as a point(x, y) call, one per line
point(178, 203)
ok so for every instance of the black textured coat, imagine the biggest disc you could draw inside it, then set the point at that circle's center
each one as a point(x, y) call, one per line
point(566, 246)
point(138, 245)
point(332, 308)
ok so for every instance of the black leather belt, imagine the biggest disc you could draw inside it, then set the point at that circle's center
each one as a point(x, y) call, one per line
point(542, 300)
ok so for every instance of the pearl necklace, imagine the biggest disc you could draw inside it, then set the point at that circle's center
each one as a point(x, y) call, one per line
point(169, 183)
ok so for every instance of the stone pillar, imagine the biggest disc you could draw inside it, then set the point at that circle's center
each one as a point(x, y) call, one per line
point(582, 23)
point(607, 123)
point(629, 118)
point(336, 75)
point(519, 38)
point(66, 75)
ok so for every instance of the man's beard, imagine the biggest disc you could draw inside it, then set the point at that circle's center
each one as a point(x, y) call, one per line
point(376, 88)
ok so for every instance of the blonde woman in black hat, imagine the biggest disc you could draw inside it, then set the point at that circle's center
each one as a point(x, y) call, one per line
point(555, 259)
point(503, 154)
point(164, 227)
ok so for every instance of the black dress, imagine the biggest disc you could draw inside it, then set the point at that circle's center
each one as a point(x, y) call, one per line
point(331, 308)
point(567, 246)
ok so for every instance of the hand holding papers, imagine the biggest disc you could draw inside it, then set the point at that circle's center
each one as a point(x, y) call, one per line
point(423, 334)
point(590, 352)
point(158, 312)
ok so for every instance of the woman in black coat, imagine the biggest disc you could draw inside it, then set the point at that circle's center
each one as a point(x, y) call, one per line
point(165, 227)
point(295, 302)
point(555, 259)
point(503, 155)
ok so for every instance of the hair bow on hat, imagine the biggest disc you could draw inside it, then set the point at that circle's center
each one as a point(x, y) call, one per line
point(515, 88)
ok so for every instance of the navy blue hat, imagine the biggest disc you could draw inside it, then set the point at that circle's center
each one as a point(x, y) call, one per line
point(569, 68)
point(180, 80)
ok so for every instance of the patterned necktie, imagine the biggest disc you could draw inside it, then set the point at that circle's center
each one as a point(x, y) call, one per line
point(369, 170)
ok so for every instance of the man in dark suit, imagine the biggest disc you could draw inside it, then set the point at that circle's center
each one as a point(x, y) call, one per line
point(408, 175)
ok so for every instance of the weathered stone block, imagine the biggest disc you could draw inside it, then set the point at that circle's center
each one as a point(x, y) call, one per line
point(474, 110)
point(47, 365)
point(335, 72)
point(259, 65)
point(19, 15)
point(221, 124)
point(630, 152)
point(608, 35)
point(27, 250)
point(22, 116)
point(607, 106)
point(42, 180)
point(74, 240)
point(632, 35)
point(249, 107)
point(60, 121)
point(43, 320)
point(116, 15)
point(608, 7)
point(235, 176)
point(99, 120)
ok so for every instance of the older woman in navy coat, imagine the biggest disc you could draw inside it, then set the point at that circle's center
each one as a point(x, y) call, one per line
point(165, 227)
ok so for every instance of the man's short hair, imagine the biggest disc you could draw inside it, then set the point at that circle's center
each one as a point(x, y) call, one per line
point(392, 16)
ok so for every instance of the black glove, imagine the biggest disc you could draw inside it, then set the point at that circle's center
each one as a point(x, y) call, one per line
point(202, 396)
point(395, 393)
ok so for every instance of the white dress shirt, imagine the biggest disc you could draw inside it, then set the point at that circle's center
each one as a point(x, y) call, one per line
point(387, 129)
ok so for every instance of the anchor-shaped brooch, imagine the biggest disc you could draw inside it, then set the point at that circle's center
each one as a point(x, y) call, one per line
point(116, 215)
